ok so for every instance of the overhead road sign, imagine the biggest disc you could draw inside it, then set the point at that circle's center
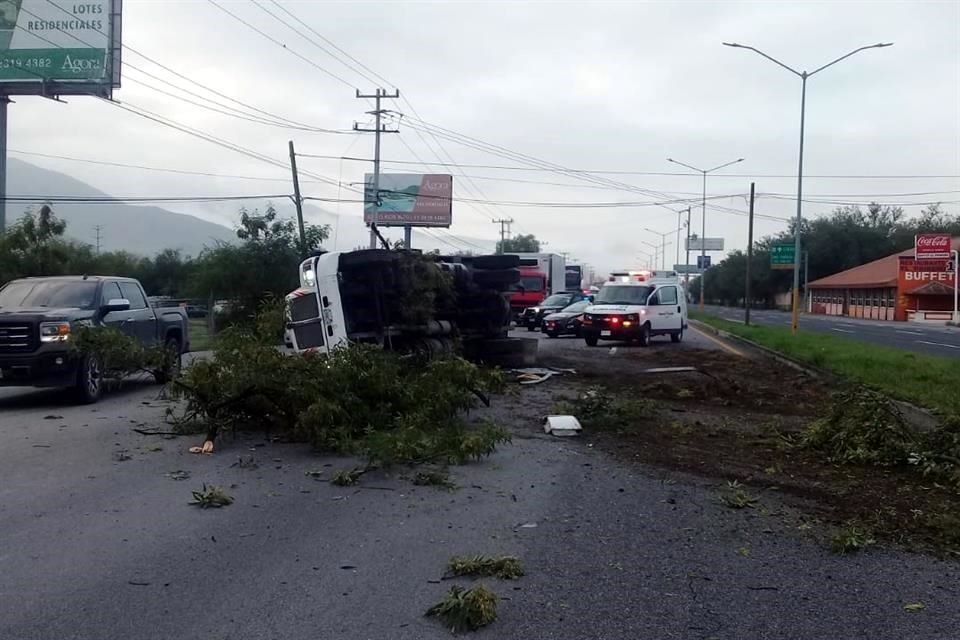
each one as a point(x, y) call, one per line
point(58, 48)
point(783, 256)
point(687, 269)
point(704, 244)
point(703, 262)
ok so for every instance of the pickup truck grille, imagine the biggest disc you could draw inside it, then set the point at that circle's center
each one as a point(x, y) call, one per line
point(304, 308)
point(17, 337)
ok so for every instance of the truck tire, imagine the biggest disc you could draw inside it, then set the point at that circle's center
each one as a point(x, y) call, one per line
point(496, 262)
point(644, 338)
point(506, 352)
point(676, 336)
point(496, 278)
point(591, 341)
point(89, 386)
point(172, 364)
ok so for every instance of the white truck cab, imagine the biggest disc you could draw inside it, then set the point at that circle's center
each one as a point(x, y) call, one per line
point(637, 305)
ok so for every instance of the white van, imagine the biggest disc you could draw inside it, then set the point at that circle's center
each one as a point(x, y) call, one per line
point(637, 306)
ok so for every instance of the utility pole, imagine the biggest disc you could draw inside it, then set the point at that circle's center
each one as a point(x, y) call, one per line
point(746, 299)
point(298, 201)
point(504, 230)
point(377, 113)
point(97, 229)
point(4, 101)
point(687, 259)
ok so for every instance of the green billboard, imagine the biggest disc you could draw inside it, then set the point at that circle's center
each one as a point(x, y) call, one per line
point(58, 47)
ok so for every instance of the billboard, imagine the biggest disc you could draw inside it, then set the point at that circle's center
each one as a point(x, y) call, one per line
point(932, 246)
point(704, 244)
point(55, 47)
point(414, 199)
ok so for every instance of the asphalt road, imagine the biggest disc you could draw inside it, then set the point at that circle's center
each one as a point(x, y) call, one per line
point(98, 542)
point(931, 339)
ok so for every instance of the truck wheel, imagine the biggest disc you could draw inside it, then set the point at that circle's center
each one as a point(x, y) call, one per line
point(496, 278)
point(496, 262)
point(171, 364)
point(676, 336)
point(89, 385)
point(644, 338)
point(591, 341)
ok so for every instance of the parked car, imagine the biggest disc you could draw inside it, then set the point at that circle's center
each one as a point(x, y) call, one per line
point(39, 315)
point(532, 317)
point(567, 321)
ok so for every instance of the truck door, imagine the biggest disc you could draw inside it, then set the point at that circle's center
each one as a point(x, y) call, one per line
point(120, 320)
point(665, 311)
point(144, 319)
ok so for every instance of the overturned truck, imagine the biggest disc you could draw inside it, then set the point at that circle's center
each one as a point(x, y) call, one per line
point(410, 302)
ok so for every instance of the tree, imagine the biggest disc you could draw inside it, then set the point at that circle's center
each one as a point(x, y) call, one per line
point(264, 264)
point(520, 244)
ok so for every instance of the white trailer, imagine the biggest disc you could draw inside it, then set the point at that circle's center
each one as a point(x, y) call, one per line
point(552, 265)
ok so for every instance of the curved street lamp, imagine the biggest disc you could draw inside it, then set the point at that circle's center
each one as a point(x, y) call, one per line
point(803, 75)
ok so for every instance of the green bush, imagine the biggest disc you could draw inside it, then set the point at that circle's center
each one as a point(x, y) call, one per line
point(358, 400)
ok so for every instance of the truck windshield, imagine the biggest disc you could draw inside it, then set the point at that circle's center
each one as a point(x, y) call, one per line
point(48, 293)
point(623, 294)
point(529, 283)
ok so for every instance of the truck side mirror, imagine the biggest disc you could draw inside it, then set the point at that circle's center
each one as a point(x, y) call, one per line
point(116, 304)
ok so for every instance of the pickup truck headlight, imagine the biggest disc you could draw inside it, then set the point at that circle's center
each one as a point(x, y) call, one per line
point(54, 331)
point(308, 277)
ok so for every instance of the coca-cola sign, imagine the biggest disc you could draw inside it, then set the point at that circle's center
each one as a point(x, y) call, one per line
point(933, 246)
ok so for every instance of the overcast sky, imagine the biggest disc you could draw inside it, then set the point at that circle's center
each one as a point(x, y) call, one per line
point(586, 85)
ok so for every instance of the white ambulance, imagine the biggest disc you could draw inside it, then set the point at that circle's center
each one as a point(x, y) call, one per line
point(635, 306)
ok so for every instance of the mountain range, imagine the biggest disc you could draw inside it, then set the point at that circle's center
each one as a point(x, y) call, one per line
point(147, 229)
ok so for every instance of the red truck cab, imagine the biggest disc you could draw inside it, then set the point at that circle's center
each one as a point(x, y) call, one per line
point(529, 292)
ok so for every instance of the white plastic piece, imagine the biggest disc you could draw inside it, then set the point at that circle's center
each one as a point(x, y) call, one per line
point(562, 426)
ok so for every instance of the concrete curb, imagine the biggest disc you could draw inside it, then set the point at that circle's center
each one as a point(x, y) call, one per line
point(767, 351)
point(918, 416)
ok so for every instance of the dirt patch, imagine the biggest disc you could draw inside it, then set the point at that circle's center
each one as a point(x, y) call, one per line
point(737, 419)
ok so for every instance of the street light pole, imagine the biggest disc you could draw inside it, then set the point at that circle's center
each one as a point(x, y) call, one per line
point(803, 75)
point(703, 217)
point(664, 243)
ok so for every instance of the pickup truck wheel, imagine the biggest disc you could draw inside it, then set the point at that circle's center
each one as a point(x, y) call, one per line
point(591, 341)
point(171, 364)
point(89, 385)
point(676, 336)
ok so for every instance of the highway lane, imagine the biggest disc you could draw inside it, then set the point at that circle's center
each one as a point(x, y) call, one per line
point(920, 338)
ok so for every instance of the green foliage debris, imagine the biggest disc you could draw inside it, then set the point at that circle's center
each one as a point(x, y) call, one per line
point(851, 538)
point(211, 497)
point(466, 609)
point(432, 478)
point(503, 567)
point(346, 477)
point(599, 409)
point(736, 497)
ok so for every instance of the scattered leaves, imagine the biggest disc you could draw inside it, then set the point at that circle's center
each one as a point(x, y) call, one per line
point(346, 477)
point(736, 497)
point(914, 607)
point(439, 479)
point(466, 609)
point(851, 538)
point(503, 567)
point(211, 497)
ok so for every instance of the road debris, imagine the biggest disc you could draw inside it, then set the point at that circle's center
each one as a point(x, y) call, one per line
point(536, 375)
point(562, 426)
point(206, 449)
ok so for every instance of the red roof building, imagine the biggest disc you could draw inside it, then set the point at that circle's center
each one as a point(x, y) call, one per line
point(897, 287)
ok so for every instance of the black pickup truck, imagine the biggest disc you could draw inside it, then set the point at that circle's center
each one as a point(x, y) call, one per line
point(37, 316)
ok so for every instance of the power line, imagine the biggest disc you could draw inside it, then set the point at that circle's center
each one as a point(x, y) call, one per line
point(136, 199)
point(140, 167)
point(280, 44)
point(646, 173)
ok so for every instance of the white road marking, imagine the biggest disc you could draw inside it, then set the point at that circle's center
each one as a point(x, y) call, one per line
point(916, 333)
point(940, 344)
point(841, 330)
